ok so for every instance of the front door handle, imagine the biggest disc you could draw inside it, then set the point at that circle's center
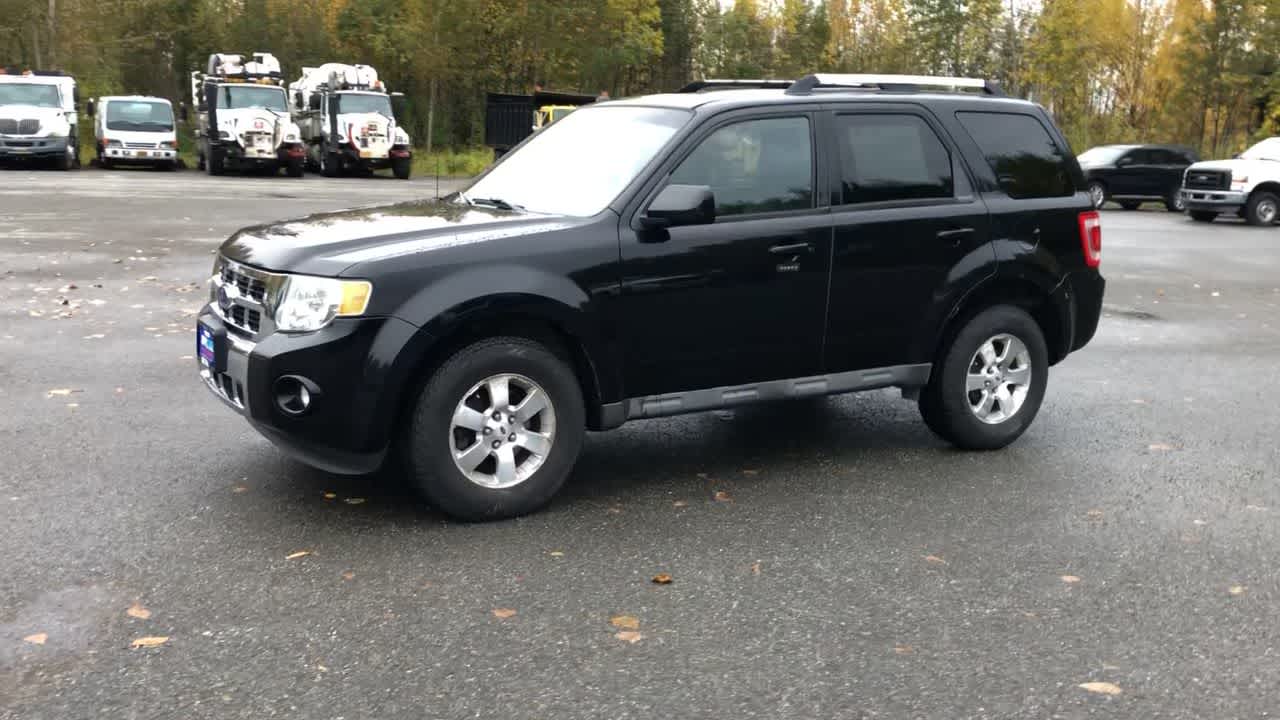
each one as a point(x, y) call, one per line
point(792, 248)
point(955, 233)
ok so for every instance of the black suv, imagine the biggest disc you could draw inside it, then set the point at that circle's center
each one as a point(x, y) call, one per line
point(1131, 174)
point(664, 255)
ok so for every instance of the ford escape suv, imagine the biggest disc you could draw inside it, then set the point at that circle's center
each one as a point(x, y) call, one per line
point(663, 255)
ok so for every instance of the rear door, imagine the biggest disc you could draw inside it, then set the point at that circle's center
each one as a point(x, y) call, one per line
point(905, 219)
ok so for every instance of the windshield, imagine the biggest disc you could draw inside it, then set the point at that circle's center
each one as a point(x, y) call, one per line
point(29, 94)
point(1103, 155)
point(139, 115)
point(353, 103)
point(579, 165)
point(251, 96)
point(1268, 149)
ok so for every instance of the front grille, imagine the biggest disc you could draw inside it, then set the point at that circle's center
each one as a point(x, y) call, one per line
point(227, 387)
point(250, 287)
point(10, 126)
point(1208, 180)
point(245, 318)
point(21, 143)
point(140, 146)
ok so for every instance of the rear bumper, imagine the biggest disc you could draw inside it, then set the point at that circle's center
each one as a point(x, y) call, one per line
point(1085, 290)
point(32, 147)
point(1219, 200)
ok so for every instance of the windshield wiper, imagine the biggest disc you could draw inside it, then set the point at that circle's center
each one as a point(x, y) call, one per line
point(492, 202)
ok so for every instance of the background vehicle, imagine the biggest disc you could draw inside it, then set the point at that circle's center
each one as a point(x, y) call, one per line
point(134, 130)
point(345, 116)
point(38, 117)
point(1130, 174)
point(242, 116)
point(739, 247)
point(1247, 185)
point(509, 119)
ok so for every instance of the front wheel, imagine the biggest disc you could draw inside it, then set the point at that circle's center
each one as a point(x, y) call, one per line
point(330, 163)
point(71, 156)
point(1262, 208)
point(402, 167)
point(1173, 202)
point(214, 163)
point(988, 384)
point(1097, 194)
point(496, 430)
point(1203, 215)
point(294, 167)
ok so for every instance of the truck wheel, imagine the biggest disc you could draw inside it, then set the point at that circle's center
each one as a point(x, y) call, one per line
point(69, 158)
point(496, 430)
point(1262, 208)
point(989, 382)
point(1097, 194)
point(1173, 202)
point(294, 167)
point(103, 161)
point(1203, 215)
point(402, 167)
point(330, 164)
point(214, 163)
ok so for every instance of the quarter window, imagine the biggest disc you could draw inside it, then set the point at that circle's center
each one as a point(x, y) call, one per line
point(755, 166)
point(888, 157)
point(1025, 159)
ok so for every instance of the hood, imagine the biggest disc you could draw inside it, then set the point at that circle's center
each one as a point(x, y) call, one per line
point(49, 117)
point(1237, 166)
point(140, 136)
point(329, 243)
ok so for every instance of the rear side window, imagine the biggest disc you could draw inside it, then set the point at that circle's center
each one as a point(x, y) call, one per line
point(1022, 154)
point(886, 157)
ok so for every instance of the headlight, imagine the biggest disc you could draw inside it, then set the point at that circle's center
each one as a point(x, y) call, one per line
point(168, 145)
point(290, 138)
point(224, 134)
point(310, 303)
point(114, 143)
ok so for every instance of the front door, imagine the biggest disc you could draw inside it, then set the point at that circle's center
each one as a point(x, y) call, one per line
point(908, 231)
point(741, 300)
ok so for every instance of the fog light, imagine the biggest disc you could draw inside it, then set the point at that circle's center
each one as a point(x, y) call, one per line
point(295, 395)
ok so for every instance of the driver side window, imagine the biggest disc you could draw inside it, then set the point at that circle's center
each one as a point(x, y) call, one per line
point(755, 166)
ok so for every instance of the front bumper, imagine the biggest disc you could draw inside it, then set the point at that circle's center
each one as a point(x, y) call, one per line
point(341, 432)
point(26, 146)
point(127, 155)
point(1220, 200)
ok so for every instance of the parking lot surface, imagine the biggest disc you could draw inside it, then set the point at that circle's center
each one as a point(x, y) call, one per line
point(829, 559)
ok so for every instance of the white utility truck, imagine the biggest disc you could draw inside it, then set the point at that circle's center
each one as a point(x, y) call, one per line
point(344, 112)
point(38, 117)
point(134, 130)
point(1247, 185)
point(242, 116)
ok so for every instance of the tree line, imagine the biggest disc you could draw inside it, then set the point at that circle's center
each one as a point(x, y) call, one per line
point(1195, 72)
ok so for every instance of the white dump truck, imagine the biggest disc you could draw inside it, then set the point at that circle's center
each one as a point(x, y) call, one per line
point(134, 130)
point(38, 117)
point(242, 116)
point(344, 112)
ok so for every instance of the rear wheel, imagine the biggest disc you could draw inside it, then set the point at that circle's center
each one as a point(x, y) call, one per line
point(1131, 204)
point(402, 167)
point(1173, 202)
point(988, 384)
point(1203, 215)
point(1262, 209)
point(330, 164)
point(214, 163)
point(294, 167)
point(1097, 194)
point(496, 430)
point(71, 156)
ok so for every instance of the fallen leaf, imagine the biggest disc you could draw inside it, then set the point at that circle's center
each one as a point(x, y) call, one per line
point(629, 636)
point(348, 575)
point(679, 503)
point(750, 472)
point(1255, 508)
point(95, 336)
point(903, 649)
point(1215, 293)
point(662, 579)
point(36, 639)
point(1236, 589)
point(935, 560)
point(296, 555)
point(73, 405)
point(721, 496)
point(137, 611)
point(237, 489)
point(1093, 514)
point(1102, 688)
point(627, 622)
point(187, 357)
point(556, 553)
point(504, 613)
point(353, 501)
point(1198, 521)
point(1070, 579)
point(755, 568)
point(149, 641)
point(330, 496)
point(1160, 446)
point(62, 392)
point(1139, 401)
point(119, 391)
point(1160, 292)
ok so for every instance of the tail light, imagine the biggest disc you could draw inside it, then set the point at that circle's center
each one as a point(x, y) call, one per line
point(1091, 237)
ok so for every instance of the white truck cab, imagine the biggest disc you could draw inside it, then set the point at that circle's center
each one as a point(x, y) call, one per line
point(344, 113)
point(242, 116)
point(135, 130)
point(1247, 185)
point(38, 117)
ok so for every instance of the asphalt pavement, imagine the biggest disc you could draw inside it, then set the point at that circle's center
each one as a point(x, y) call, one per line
point(829, 559)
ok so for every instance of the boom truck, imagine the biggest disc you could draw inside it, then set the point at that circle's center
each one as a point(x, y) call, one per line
point(242, 116)
point(345, 116)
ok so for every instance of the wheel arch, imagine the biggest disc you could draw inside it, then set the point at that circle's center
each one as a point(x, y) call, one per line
point(1270, 186)
point(1044, 302)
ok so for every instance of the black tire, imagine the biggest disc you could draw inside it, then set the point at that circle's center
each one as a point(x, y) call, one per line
point(1203, 215)
point(402, 168)
point(214, 163)
point(1263, 208)
point(429, 457)
point(200, 162)
point(945, 403)
point(68, 161)
point(330, 164)
point(294, 168)
point(103, 161)
point(1097, 194)
point(1130, 204)
point(1173, 202)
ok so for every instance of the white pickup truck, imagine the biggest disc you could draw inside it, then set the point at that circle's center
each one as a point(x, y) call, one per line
point(134, 130)
point(1247, 185)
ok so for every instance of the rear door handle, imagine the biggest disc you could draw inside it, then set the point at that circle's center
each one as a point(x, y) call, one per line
point(955, 233)
point(792, 248)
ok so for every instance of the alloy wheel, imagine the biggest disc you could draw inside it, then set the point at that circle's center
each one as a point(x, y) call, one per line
point(1097, 195)
point(1267, 211)
point(999, 378)
point(502, 431)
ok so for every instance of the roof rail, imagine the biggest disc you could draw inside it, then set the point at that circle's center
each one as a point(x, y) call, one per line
point(712, 84)
point(898, 83)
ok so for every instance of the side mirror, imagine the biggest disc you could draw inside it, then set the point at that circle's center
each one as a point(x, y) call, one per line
point(90, 108)
point(183, 112)
point(680, 205)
